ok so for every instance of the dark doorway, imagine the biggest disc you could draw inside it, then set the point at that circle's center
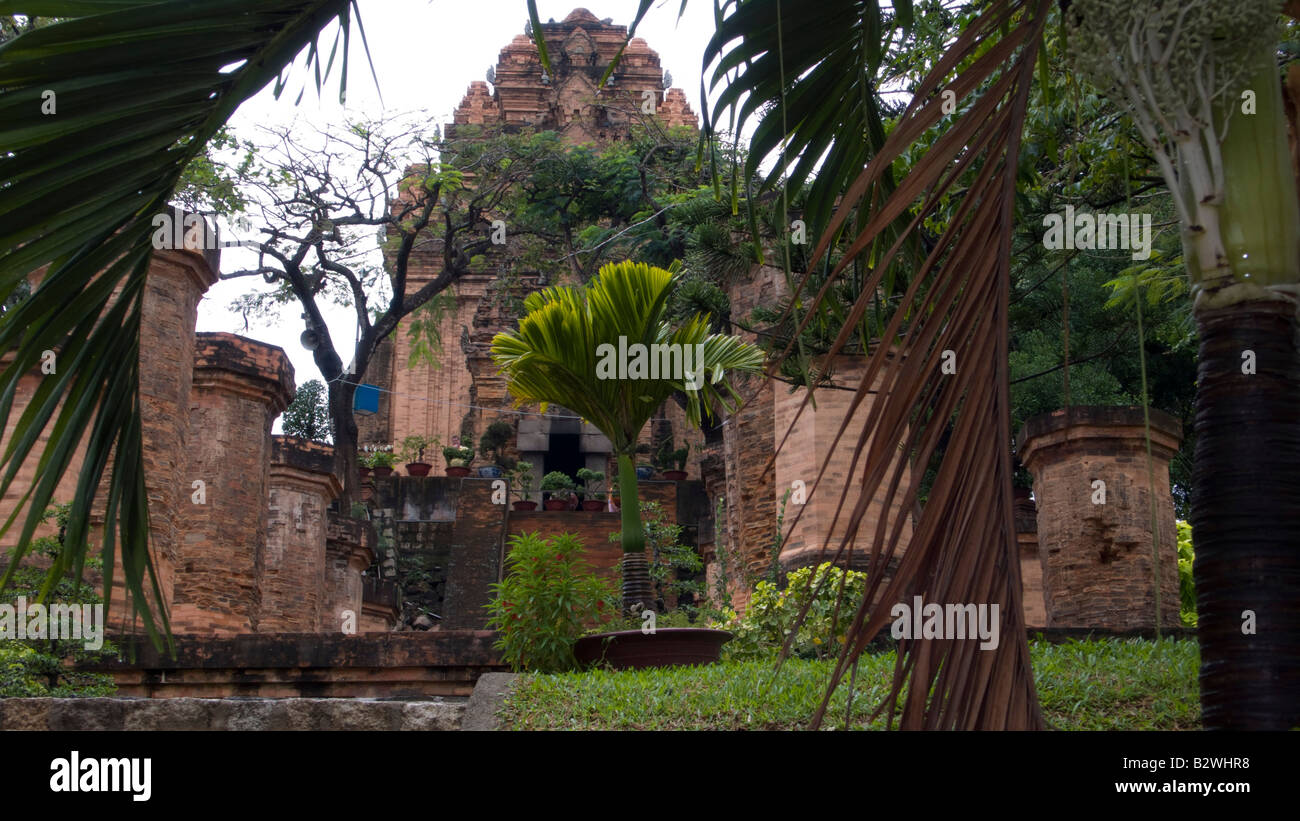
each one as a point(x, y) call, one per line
point(564, 455)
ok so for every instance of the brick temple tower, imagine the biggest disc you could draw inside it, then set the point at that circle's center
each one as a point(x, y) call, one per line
point(448, 401)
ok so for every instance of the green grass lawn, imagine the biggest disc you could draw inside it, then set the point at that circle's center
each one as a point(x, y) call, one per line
point(1093, 685)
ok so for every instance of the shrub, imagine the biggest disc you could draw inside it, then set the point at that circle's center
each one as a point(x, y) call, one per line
point(458, 456)
point(414, 446)
point(771, 614)
point(593, 484)
point(1186, 585)
point(494, 441)
point(548, 598)
point(38, 667)
point(556, 481)
point(521, 479)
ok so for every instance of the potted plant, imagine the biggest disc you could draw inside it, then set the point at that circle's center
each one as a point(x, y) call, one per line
point(593, 489)
point(413, 448)
point(494, 441)
point(363, 462)
point(381, 462)
point(521, 478)
point(644, 470)
point(556, 482)
point(672, 463)
point(458, 459)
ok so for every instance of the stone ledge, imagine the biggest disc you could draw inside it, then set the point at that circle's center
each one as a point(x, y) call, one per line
point(1116, 429)
point(116, 714)
point(415, 665)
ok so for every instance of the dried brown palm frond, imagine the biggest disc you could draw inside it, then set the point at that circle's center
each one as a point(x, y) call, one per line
point(963, 547)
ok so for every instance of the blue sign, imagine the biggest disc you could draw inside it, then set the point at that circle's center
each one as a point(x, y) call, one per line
point(366, 399)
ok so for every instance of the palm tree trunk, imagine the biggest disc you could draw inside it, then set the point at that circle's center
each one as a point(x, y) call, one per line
point(637, 591)
point(1246, 516)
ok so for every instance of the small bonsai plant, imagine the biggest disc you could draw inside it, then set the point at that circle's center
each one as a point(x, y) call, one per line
point(557, 482)
point(672, 463)
point(494, 441)
point(521, 479)
point(381, 462)
point(413, 448)
point(593, 489)
point(458, 459)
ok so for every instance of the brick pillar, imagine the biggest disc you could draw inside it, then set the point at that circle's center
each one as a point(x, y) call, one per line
point(1096, 557)
point(1031, 568)
point(809, 444)
point(240, 387)
point(751, 492)
point(349, 550)
point(175, 283)
point(302, 485)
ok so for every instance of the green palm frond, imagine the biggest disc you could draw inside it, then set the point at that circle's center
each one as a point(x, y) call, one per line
point(783, 71)
point(99, 115)
point(555, 354)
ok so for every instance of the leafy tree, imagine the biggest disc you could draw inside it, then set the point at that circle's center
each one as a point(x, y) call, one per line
point(318, 229)
point(308, 416)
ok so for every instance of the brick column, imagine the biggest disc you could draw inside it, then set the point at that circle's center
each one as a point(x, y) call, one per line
point(1096, 556)
point(801, 458)
point(302, 485)
point(349, 550)
point(175, 283)
point(1031, 567)
point(240, 387)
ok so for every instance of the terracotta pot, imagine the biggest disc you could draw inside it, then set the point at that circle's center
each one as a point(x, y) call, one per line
point(365, 473)
point(674, 475)
point(666, 647)
point(383, 473)
point(418, 468)
point(555, 504)
point(522, 505)
point(457, 471)
point(592, 504)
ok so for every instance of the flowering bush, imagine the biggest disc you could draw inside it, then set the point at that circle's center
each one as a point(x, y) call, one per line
point(549, 596)
point(771, 614)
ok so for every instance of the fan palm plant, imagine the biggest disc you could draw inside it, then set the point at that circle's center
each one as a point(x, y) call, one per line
point(562, 353)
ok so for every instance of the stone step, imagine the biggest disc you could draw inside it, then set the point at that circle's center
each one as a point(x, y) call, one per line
point(229, 714)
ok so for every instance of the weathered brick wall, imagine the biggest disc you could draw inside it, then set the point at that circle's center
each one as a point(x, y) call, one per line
point(747, 446)
point(1096, 558)
point(1031, 567)
point(301, 486)
point(240, 387)
point(811, 443)
point(349, 552)
point(476, 553)
point(175, 283)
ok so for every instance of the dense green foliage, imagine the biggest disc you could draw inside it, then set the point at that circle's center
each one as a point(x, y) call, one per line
point(40, 667)
point(547, 599)
point(1089, 685)
point(308, 415)
point(770, 617)
point(1186, 582)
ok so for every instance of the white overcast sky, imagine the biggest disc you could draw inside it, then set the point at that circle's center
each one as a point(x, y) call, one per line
point(426, 53)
